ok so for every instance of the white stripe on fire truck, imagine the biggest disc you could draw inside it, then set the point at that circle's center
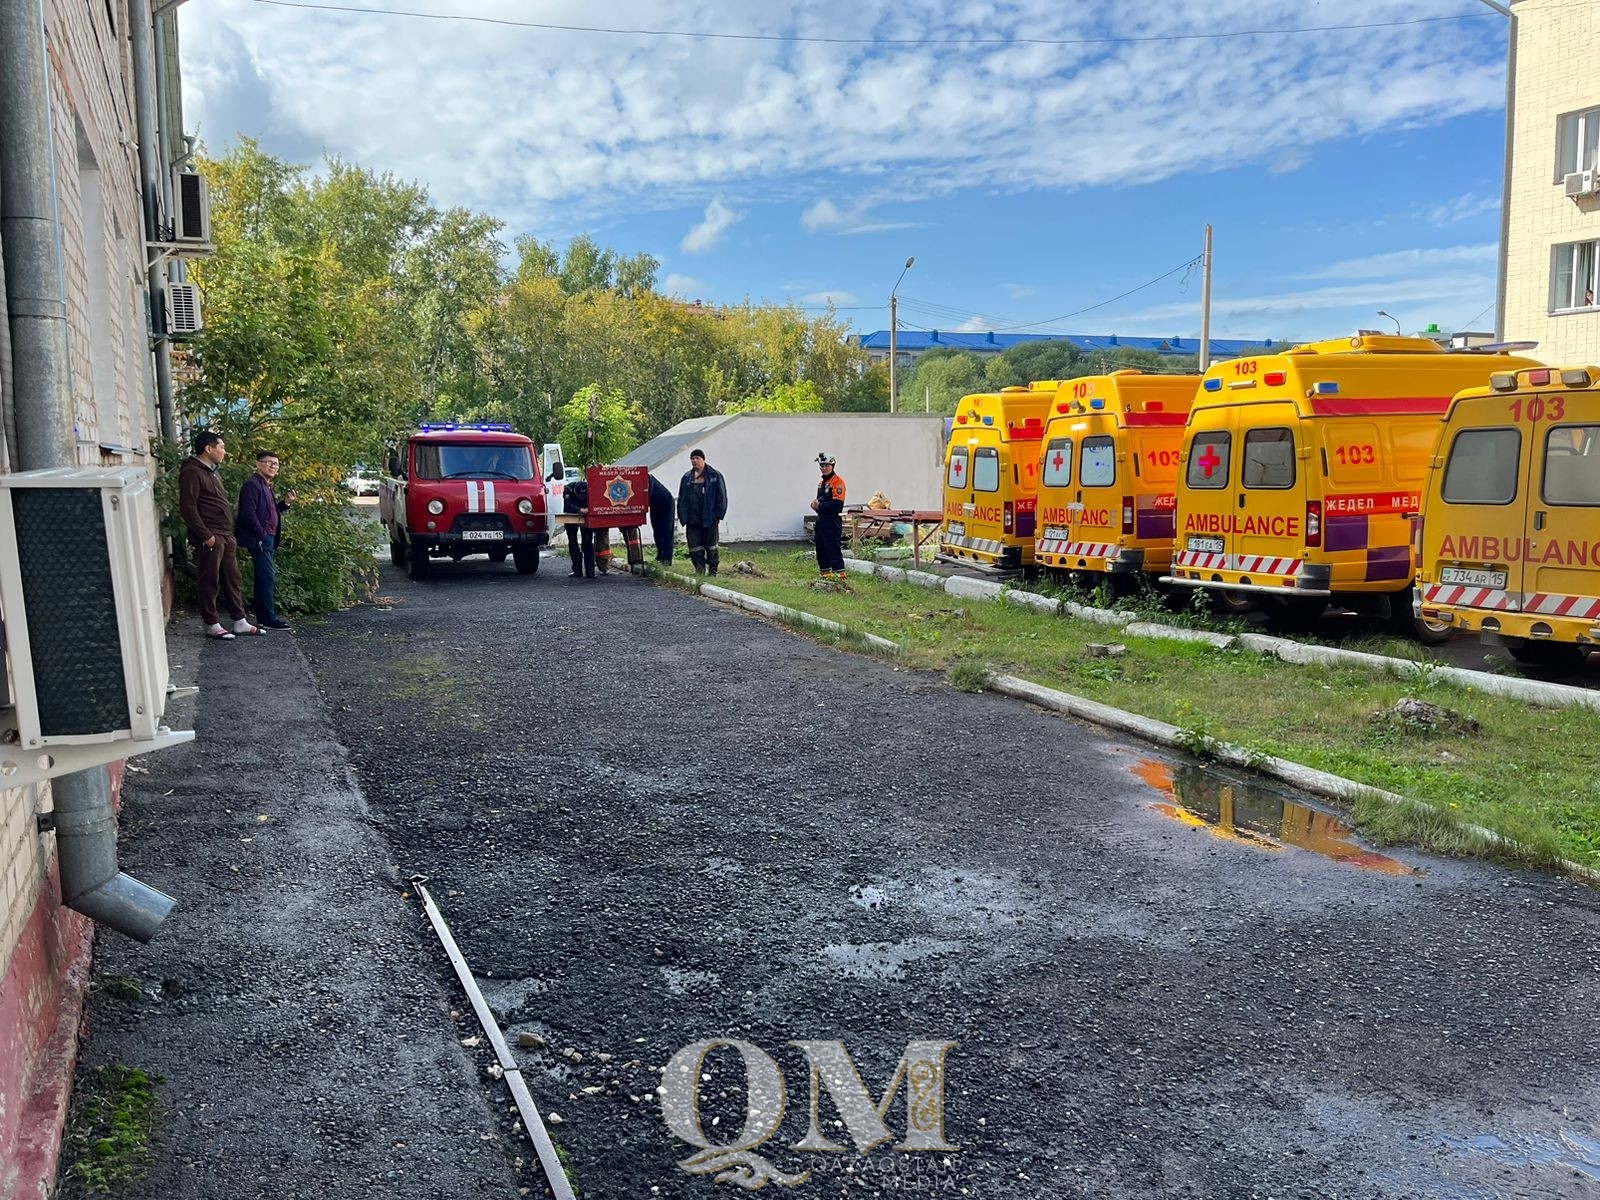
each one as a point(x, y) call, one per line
point(488, 496)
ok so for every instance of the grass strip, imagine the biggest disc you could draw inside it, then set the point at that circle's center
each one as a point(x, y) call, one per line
point(1527, 773)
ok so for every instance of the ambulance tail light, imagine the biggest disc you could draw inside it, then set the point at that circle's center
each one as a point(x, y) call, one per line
point(1275, 378)
point(1313, 522)
point(1127, 515)
point(1503, 381)
point(1416, 540)
point(1539, 378)
point(1575, 378)
point(1010, 516)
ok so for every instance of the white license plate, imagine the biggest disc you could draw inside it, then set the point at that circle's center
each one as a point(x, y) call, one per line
point(1205, 545)
point(1057, 533)
point(481, 535)
point(1471, 578)
point(956, 529)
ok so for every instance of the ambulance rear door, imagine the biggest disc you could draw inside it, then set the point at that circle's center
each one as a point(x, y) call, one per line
point(1096, 511)
point(1154, 449)
point(1482, 507)
point(1271, 492)
point(1207, 507)
point(1561, 576)
point(958, 485)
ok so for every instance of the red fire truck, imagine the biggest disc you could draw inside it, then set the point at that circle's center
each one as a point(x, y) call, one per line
point(454, 490)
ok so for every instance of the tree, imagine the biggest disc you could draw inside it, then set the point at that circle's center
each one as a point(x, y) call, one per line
point(597, 427)
point(941, 378)
point(782, 398)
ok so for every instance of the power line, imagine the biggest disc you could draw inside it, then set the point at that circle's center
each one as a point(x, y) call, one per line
point(1467, 324)
point(856, 41)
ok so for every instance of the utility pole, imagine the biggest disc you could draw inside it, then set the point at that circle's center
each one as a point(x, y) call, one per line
point(894, 332)
point(1205, 304)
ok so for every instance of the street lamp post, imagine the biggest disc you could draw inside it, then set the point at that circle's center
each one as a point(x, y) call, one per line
point(894, 331)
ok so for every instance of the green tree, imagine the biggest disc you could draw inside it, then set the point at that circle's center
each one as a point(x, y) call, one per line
point(783, 398)
point(597, 427)
point(1022, 364)
point(941, 378)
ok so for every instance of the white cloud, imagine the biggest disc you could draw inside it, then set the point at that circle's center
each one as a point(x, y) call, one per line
point(1018, 291)
point(1462, 208)
point(534, 124)
point(1290, 160)
point(686, 286)
point(718, 220)
point(1377, 266)
point(827, 217)
point(839, 298)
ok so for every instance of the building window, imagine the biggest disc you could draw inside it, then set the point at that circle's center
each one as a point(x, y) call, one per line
point(1577, 141)
point(1573, 275)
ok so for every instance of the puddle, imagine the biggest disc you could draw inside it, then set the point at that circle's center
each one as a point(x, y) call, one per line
point(884, 960)
point(865, 895)
point(1256, 816)
point(1568, 1149)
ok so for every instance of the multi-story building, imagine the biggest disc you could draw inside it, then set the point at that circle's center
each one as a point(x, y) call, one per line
point(82, 122)
point(1550, 269)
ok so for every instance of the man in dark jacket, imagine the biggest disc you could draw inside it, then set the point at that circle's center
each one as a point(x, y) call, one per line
point(580, 538)
point(257, 528)
point(208, 518)
point(702, 503)
point(661, 522)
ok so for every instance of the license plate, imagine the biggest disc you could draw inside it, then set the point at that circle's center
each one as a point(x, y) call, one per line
point(1205, 545)
point(957, 529)
point(1056, 533)
point(481, 535)
point(1471, 578)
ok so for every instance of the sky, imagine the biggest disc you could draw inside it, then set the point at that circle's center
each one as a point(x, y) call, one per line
point(1038, 158)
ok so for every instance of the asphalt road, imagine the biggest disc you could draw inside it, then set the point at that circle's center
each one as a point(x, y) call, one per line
point(653, 822)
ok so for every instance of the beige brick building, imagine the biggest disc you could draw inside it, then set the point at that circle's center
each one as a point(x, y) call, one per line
point(1551, 251)
point(101, 238)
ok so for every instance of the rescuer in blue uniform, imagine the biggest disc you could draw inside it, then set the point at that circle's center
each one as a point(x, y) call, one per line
point(829, 507)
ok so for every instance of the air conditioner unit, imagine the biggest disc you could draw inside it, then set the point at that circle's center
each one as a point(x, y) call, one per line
point(183, 310)
point(191, 201)
point(85, 640)
point(1579, 183)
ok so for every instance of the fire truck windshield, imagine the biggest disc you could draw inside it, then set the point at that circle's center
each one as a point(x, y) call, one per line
point(446, 460)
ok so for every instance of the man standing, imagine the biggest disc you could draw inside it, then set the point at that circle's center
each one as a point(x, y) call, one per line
point(702, 503)
point(203, 504)
point(580, 538)
point(829, 507)
point(661, 523)
point(257, 528)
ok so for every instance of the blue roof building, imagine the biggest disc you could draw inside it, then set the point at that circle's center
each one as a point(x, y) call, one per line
point(912, 343)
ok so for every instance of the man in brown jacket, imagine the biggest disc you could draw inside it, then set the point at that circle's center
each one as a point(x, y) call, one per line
point(203, 502)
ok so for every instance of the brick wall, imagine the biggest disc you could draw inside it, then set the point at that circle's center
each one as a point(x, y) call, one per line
point(42, 946)
point(1555, 74)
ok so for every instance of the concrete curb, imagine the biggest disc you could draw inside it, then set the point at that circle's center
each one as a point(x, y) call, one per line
point(779, 612)
point(1531, 691)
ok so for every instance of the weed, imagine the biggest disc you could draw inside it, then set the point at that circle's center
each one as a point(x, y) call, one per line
point(125, 987)
point(968, 676)
point(1193, 732)
point(114, 1116)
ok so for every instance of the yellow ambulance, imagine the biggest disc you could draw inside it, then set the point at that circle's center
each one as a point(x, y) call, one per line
point(1108, 478)
point(1301, 469)
point(1509, 540)
point(991, 477)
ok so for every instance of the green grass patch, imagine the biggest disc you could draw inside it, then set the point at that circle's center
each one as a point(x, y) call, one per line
point(1527, 773)
point(109, 1140)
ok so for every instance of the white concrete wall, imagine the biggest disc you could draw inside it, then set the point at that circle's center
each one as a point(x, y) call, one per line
point(769, 460)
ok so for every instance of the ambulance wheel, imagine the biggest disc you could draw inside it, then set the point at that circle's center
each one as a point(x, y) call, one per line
point(1403, 620)
point(1548, 654)
point(1233, 604)
point(397, 551)
point(527, 560)
point(498, 556)
point(417, 564)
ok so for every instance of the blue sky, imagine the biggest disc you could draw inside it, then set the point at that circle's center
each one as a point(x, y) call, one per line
point(1344, 171)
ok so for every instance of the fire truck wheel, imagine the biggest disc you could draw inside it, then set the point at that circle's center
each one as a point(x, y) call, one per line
point(527, 560)
point(417, 564)
point(1548, 654)
point(498, 556)
point(397, 551)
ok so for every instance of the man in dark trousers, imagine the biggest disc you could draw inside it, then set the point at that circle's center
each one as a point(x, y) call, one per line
point(661, 522)
point(580, 538)
point(208, 519)
point(257, 528)
point(829, 507)
point(702, 503)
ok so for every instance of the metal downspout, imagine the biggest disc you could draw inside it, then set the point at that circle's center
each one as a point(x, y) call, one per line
point(141, 35)
point(86, 837)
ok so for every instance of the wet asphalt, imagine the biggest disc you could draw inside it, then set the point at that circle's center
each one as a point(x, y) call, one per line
point(652, 822)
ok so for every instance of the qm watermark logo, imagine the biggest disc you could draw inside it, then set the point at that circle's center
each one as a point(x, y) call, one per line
point(744, 1161)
